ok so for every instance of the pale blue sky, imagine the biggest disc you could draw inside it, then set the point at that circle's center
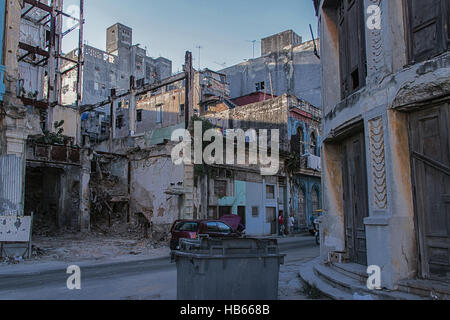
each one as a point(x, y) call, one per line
point(224, 28)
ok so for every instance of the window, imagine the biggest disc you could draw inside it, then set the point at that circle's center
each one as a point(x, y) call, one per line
point(313, 144)
point(223, 227)
point(212, 227)
point(182, 109)
point(255, 212)
point(139, 116)
point(302, 141)
point(315, 201)
point(260, 86)
point(220, 188)
point(352, 47)
point(281, 194)
point(159, 113)
point(140, 82)
point(119, 122)
point(428, 28)
point(186, 226)
point(270, 192)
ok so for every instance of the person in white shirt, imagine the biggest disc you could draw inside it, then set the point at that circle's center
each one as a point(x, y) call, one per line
point(291, 224)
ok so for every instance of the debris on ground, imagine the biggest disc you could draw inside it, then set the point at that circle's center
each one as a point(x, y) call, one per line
point(93, 246)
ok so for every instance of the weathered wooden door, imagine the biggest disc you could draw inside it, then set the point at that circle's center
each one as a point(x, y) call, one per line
point(354, 176)
point(430, 151)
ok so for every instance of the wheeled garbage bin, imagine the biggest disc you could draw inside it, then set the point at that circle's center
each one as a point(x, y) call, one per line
point(228, 269)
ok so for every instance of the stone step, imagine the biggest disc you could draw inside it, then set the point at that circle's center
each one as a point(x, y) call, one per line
point(352, 270)
point(352, 286)
point(307, 275)
point(426, 288)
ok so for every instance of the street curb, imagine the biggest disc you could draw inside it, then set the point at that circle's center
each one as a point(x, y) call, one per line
point(62, 266)
point(41, 269)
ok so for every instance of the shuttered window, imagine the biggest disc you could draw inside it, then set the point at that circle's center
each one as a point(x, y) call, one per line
point(428, 23)
point(352, 46)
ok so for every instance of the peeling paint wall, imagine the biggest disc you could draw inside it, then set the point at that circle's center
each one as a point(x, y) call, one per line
point(155, 110)
point(154, 180)
point(294, 70)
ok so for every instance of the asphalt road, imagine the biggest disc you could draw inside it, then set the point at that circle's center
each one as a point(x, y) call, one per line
point(144, 280)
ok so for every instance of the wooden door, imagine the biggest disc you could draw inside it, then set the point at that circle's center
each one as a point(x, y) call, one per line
point(354, 175)
point(271, 217)
point(430, 152)
point(241, 213)
point(301, 217)
point(352, 45)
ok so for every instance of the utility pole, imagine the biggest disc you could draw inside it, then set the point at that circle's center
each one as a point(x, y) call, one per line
point(199, 52)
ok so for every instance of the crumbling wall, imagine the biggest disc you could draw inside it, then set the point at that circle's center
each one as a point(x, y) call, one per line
point(109, 193)
point(269, 114)
point(154, 110)
point(157, 186)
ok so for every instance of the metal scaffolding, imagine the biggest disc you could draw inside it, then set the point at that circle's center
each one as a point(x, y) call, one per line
point(48, 17)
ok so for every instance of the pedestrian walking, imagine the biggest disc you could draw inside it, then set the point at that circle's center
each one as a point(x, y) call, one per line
point(281, 223)
point(291, 224)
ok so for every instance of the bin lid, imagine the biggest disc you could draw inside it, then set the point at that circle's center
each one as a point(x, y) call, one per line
point(206, 248)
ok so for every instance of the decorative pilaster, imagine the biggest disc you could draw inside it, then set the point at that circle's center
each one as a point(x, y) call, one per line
point(378, 161)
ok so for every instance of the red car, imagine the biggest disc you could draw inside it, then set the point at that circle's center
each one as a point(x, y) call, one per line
point(191, 229)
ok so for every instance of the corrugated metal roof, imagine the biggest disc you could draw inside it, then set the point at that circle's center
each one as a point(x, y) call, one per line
point(159, 136)
point(11, 181)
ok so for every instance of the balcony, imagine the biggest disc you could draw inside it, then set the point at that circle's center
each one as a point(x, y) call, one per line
point(57, 154)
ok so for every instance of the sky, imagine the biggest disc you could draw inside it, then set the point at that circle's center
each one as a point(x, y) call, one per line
point(224, 29)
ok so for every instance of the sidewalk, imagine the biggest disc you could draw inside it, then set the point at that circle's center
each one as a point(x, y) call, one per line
point(27, 268)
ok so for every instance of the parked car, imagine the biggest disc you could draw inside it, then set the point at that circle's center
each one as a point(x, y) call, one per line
point(191, 229)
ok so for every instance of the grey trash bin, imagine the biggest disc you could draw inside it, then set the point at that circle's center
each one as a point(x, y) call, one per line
point(228, 269)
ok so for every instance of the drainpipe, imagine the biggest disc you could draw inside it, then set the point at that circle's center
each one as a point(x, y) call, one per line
point(132, 108)
point(2, 67)
point(129, 191)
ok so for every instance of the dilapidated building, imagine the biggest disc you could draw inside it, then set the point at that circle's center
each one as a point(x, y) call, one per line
point(294, 190)
point(385, 73)
point(104, 70)
point(43, 168)
point(286, 66)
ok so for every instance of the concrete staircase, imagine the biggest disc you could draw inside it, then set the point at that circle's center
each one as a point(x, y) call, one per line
point(346, 282)
point(426, 288)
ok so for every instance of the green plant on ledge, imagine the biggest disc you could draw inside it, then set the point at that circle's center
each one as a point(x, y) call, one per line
point(54, 137)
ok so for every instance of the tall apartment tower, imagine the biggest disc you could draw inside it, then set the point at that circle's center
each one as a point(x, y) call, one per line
point(118, 36)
